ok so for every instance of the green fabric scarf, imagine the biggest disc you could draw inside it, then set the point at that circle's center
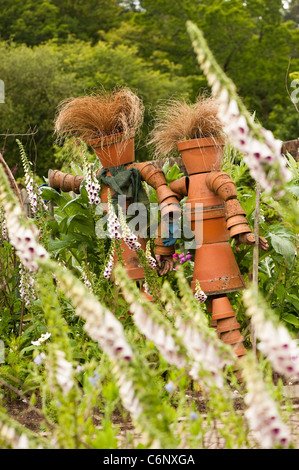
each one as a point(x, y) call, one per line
point(125, 182)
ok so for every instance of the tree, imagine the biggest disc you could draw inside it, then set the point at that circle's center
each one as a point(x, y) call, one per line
point(37, 79)
point(32, 23)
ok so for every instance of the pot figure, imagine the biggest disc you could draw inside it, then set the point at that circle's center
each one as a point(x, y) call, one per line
point(221, 217)
point(120, 174)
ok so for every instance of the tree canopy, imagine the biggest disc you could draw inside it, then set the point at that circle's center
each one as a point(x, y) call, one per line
point(51, 50)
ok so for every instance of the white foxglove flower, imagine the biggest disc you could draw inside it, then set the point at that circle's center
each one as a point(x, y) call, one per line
point(10, 436)
point(113, 223)
point(128, 236)
point(158, 335)
point(64, 371)
point(274, 342)
point(151, 261)
point(262, 414)
point(205, 353)
point(23, 239)
point(126, 391)
point(199, 293)
point(92, 185)
point(26, 286)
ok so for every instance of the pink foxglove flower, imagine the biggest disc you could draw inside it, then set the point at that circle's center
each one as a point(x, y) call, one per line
point(24, 240)
point(262, 152)
point(262, 414)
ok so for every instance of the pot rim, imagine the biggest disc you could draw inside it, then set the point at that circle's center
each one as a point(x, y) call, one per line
point(201, 142)
point(111, 139)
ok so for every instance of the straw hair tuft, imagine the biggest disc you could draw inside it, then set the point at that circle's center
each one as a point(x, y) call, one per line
point(100, 114)
point(179, 120)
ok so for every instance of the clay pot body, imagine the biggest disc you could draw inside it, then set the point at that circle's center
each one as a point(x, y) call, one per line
point(131, 260)
point(114, 150)
point(215, 266)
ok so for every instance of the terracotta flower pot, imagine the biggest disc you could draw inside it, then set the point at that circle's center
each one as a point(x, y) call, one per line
point(114, 150)
point(202, 155)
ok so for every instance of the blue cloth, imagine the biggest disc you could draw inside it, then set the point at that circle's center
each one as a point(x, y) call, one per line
point(171, 240)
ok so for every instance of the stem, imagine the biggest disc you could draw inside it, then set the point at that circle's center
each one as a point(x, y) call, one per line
point(21, 318)
point(255, 264)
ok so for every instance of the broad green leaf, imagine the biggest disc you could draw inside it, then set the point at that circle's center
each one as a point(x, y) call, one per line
point(284, 247)
point(294, 300)
point(290, 318)
point(81, 223)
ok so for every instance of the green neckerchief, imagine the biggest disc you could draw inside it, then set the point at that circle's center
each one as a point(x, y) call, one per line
point(125, 182)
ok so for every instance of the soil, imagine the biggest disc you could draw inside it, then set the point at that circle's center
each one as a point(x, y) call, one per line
point(32, 419)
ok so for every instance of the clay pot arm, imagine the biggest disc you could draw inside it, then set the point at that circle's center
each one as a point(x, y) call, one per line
point(221, 184)
point(64, 181)
point(180, 187)
point(167, 199)
point(160, 248)
point(224, 187)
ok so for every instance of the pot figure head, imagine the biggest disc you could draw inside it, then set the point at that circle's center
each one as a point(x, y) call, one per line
point(107, 121)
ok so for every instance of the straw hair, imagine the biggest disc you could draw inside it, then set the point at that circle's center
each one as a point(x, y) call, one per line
point(99, 115)
point(180, 121)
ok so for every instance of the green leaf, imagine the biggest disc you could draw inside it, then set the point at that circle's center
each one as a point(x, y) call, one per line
point(67, 241)
point(173, 173)
point(50, 194)
point(290, 318)
point(81, 223)
point(294, 300)
point(284, 247)
point(73, 207)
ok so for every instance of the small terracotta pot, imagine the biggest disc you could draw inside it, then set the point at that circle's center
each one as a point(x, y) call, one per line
point(155, 178)
point(236, 220)
point(202, 155)
point(232, 337)
point(221, 184)
point(227, 324)
point(180, 186)
point(221, 308)
point(114, 150)
point(233, 208)
point(216, 269)
point(237, 229)
point(164, 192)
